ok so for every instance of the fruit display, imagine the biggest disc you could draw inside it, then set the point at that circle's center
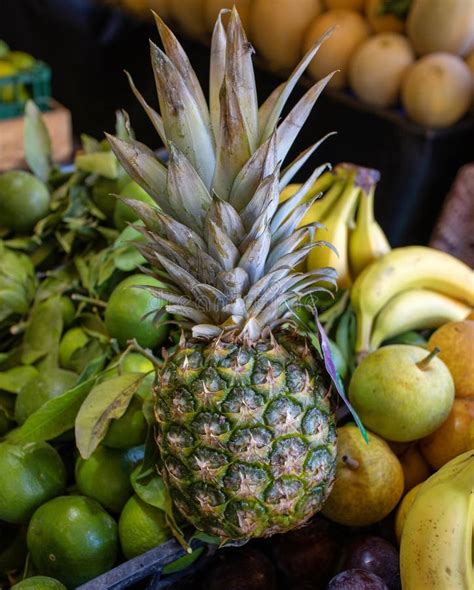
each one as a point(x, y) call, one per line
point(13, 63)
point(196, 348)
point(389, 53)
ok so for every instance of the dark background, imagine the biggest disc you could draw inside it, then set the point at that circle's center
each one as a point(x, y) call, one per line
point(89, 45)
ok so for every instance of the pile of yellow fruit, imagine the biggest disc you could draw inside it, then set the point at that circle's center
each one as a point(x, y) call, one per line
point(417, 52)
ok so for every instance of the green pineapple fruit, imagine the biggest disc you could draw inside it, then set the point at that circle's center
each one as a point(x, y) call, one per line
point(244, 423)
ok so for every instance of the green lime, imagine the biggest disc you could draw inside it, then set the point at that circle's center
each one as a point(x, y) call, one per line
point(21, 60)
point(103, 191)
point(7, 411)
point(72, 341)
point(73, 539)
point(141, 527)
point(130, 429)
point(123, 215)
point(105, 476)
point(12, 547)
point(39, 583)
point(128, 316)
point(38, 391)
point(24, 200)
point(30, 474)
point(68, 310)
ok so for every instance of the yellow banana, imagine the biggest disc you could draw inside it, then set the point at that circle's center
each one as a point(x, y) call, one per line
point(413, 310)
point(367, 240)
point(336, 232)
point(436, 547)
point(401, 269)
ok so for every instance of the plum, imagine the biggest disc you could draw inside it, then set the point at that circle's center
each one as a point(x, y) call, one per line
point(356, 580)
point(376, 555)
point(307, 557)
point(241, 569)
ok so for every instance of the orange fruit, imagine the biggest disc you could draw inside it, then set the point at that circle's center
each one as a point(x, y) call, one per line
point(24, 200)
point(73, 539)
point(415, 468)
point(456, 342)
point(141, 527)
point(128, 316)
point(105, 476)
point(30, 474)
point(453, 437)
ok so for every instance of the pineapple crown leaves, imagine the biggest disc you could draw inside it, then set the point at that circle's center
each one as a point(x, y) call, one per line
point(226, 244)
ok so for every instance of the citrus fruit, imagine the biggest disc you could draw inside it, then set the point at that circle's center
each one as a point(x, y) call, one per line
point(39, 583)
point(73, 539)
point(68, 310)
point(38, 391)
point(30, 474)
point(21, 60)
point(103, 191)
point(13, 549)
point(369, 479)
point(141, 527)
point(126, 313)
point(402, 510)
point(24, 200)
point(7, 69)
point(105, 476)
point(415, 468)
point(73, 340)
point(7, 405)
point(453, 437)
point(456, 343)
point(123, 215)
point(130, 429)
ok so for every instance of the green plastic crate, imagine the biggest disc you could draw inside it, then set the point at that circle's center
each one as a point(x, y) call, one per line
point(34, 83)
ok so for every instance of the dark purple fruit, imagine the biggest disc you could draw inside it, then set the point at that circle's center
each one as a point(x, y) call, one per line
point(241, 569)
point(356, 580)
point(307, 555)
point(376, 555)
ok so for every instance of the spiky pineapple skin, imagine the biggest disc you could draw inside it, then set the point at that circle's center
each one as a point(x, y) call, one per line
point(247, 436)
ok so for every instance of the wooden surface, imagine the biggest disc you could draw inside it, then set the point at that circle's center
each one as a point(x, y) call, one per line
point(58, 122)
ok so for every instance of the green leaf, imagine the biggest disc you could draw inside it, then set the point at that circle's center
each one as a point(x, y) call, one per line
point(205, 538)
point(342, 335)
point(37, 143)
point(183, 562)
point(43, 333)
point(53, 418)
point(15, 379)
point(102, 163)
point(106, 401)
point(93, 368)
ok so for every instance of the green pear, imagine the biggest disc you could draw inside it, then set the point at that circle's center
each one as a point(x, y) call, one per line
point(402, 392)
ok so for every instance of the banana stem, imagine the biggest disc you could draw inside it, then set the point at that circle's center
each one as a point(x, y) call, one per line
point(351, 463)
point(424, 363)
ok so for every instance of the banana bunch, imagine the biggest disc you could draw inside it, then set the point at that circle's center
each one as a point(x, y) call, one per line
point(356, 243)
point(436, 551)
point(409, 288)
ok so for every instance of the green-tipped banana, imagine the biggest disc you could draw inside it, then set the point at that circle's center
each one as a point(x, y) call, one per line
point(415, 309)
point(436, 547)
point(367, 241)
point(411, 267)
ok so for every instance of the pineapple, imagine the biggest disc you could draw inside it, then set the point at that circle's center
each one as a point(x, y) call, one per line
point(244, 424)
